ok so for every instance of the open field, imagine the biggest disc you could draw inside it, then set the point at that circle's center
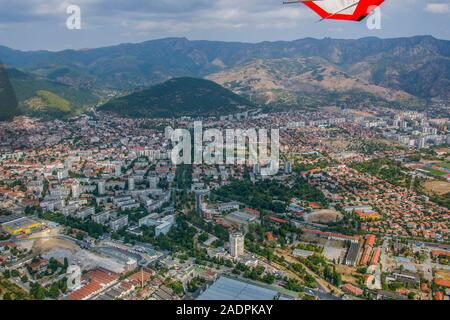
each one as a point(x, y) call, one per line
point(334, 250)
point(347, 273)
point(438, 169)
point(45, 245)
point(435, 171)
point(437, 187)
point(61, 248)
point(443, 150)
point(323, 216)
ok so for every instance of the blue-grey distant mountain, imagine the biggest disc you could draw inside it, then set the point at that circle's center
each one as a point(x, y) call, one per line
point(179, 97)
point(404, 67)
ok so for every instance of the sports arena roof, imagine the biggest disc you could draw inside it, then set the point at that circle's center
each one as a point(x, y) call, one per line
point(230, 289)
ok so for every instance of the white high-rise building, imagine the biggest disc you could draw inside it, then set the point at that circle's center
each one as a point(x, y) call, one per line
point(168, 132)
point(62, 174)
point(131, 183)
point(76, 190)
point(153, 182)
point(199, 195)
point(421, 143)
point(236, 244)
point(118, 170)
point(101, 187)
point(73, 277)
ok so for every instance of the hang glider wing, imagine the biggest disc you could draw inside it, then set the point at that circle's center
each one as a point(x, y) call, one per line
point(341, 9)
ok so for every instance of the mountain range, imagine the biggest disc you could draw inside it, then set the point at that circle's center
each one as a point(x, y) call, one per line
point(294, 73)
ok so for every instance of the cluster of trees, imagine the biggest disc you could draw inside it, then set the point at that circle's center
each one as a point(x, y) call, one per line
point(261, 250)
point(195, 283)
point(254, 273)
point(443, 200)
point(10, 273)
point(262, 194)
point(31, 210)
point(216, 229)
point(183, 176)
point(301, 167)
point(332, 275)
point(52, 291)
point(370, 146)
point(293, 285)
point(179, 238)
point(92, 228)
point(319, 265)
point(394, 173)
point(286, 232)
point(310, 247)
point(11, 291)
point(301, 271)
point(4, 236)
point(176, 286)
point(385, 169)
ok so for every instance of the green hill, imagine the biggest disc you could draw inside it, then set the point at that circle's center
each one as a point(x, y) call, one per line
point(179, 97)
point(41, 97)
point(8, 102)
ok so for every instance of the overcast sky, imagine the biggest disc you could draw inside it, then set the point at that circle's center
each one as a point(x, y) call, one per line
point(41, 24)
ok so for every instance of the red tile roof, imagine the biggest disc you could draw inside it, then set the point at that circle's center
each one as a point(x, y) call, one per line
point(352, 289)
point(375, 256)
point(278, 220)
point(371, 240)
point(438, 296)
point(99, 278)
point(442, 282)
point(440, 253)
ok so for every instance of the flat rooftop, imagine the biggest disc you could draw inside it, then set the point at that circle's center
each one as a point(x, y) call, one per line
point(9, 218)
point(230, 289)
point(20, 223)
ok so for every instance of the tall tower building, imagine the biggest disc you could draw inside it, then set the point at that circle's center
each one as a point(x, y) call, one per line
point(198, 202)
point(236, 244)
point(153, 182)
point(199, 196)
point(168, 132)
point(118, 170)
point(76, 190)
point(131, 183)
point(421, 143)
point(101, 187)
point(73, 277)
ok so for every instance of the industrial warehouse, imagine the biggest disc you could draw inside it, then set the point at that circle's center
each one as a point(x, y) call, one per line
point(22, 225)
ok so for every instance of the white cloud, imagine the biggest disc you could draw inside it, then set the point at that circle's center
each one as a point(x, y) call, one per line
point(438, 7)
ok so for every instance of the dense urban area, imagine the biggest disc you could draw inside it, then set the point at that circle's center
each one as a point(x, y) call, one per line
point(92, 208)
